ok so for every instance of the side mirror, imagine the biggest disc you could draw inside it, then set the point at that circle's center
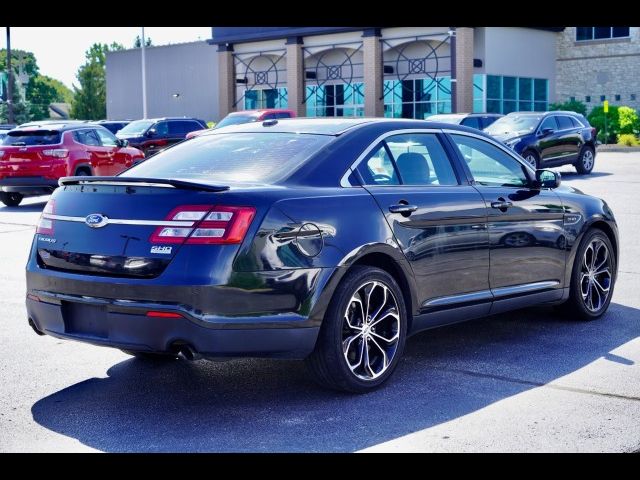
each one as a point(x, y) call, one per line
point(151, 132)
point(546, 131)
point(121, 142)
point(547, 179)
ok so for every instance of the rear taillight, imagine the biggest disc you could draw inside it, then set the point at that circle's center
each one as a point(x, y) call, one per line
point(56, 152)
point(594, 132)
point(45, 225)
point(209, 225)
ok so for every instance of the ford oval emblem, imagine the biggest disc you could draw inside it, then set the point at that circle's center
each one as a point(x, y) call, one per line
point(96, 220)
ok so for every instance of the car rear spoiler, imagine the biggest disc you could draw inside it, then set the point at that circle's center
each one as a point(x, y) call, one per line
point(182, 184)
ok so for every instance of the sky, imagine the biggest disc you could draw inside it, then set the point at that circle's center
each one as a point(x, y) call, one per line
point(60, 51)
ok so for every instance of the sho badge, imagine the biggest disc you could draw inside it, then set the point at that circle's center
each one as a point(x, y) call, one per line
point(47, 239)
point(163, 250)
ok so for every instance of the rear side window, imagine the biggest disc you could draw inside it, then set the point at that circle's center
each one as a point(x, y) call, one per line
point(87, 137)
point(181, 127)
point(410, 159)
point(107, 139)
point(575, 122)
point(564, 123)
point(283, 115)
point(37, 137)
point(240, 157)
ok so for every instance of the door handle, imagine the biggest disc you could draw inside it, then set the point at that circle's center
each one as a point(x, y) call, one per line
point(403, 208)
point(501, 204)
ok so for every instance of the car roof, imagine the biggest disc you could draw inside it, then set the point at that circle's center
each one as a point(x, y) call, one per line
point(57, 127)
point(332, 126)
point(260, 111)
point(164, 118)
point(563, 112)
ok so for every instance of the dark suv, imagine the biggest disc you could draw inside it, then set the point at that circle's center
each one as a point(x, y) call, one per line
point(114, 126)
point(548, 139)
point(155, 134)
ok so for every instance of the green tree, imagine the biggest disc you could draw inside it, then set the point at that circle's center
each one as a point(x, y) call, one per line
point(64, 93)
point(597, 119)
point(628, 119)
point(40, 95)
point(571, 105)
point(138, 42)
point(90, 98)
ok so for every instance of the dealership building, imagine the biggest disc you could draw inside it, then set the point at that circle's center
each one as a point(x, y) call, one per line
point(408, 72)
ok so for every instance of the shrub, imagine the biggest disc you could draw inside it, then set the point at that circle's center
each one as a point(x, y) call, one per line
point(572, 105)
point(629, 121)
point(628, 139)
point(596, 119)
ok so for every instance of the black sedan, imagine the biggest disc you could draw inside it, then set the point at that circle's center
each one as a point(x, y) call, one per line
point(329, 240)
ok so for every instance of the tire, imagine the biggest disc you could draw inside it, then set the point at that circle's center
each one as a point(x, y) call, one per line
point(328, 364)
point(11, 199)
point(152, 357)
point(83, 172)
point(586, 160)
point(532, 158)
point(577, 306)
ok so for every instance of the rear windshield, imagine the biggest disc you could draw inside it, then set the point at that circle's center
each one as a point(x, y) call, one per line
point(136, 128)
point(235, 120)
point(236, 157)
point(37, 137)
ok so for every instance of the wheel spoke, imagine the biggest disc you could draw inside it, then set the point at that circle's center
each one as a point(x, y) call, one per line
point(389, 313)
point(367, 361)
point(347, 347)
point(382, 305)
point(599, 286)
point(385, 359)
point(389, 341)
point(357, 301)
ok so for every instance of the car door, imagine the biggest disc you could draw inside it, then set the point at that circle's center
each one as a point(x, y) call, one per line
point(99, 157)
point(549, 144)
point(177, 131)
point(120, 159)
point(159, 140)
point(526, 233)
point(438, 221)
point(569, 137)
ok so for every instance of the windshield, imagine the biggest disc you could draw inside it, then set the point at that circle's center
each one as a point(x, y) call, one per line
point(37, 137)
point(240, 157)
point(136, 128)
point(513, 124)
point(235, 120)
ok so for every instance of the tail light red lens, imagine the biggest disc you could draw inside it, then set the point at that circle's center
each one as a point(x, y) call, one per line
point(56, 152)
point(158, 314)
point(205, 224)
point(45, 225)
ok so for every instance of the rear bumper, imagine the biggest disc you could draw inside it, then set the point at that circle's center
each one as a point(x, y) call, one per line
point(28, 185)
point(125, 325)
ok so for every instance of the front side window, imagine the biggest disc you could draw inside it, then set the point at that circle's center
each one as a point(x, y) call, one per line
point(489, 165)
point(136, 128)
point(409, 159)
point(549, 122)
point(106, 138)
point(161, 128)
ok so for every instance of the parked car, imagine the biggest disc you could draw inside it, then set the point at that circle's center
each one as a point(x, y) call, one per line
point(479, 121)
point(247, 116)
point(154, 135)
point(114, 126)
point(548, 139)
point(33, 159)
point(292, 239)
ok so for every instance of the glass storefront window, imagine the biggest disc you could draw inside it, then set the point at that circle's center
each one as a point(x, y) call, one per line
point(339, 100)
point(265, 98)
point(417, 98)
point(511, 94)
point(478, 93)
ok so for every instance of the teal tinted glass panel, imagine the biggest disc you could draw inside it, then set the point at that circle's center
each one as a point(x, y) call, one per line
point(525, 88)
point(509, 88)
point(540, 89)
point(494, 89)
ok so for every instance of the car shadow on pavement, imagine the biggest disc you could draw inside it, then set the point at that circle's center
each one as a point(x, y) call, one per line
point(270, 405)
point(32, 207)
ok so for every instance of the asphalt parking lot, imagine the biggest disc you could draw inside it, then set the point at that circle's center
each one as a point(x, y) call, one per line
point(523, 381)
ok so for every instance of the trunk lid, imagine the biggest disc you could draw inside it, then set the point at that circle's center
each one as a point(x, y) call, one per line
point(106, 225)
